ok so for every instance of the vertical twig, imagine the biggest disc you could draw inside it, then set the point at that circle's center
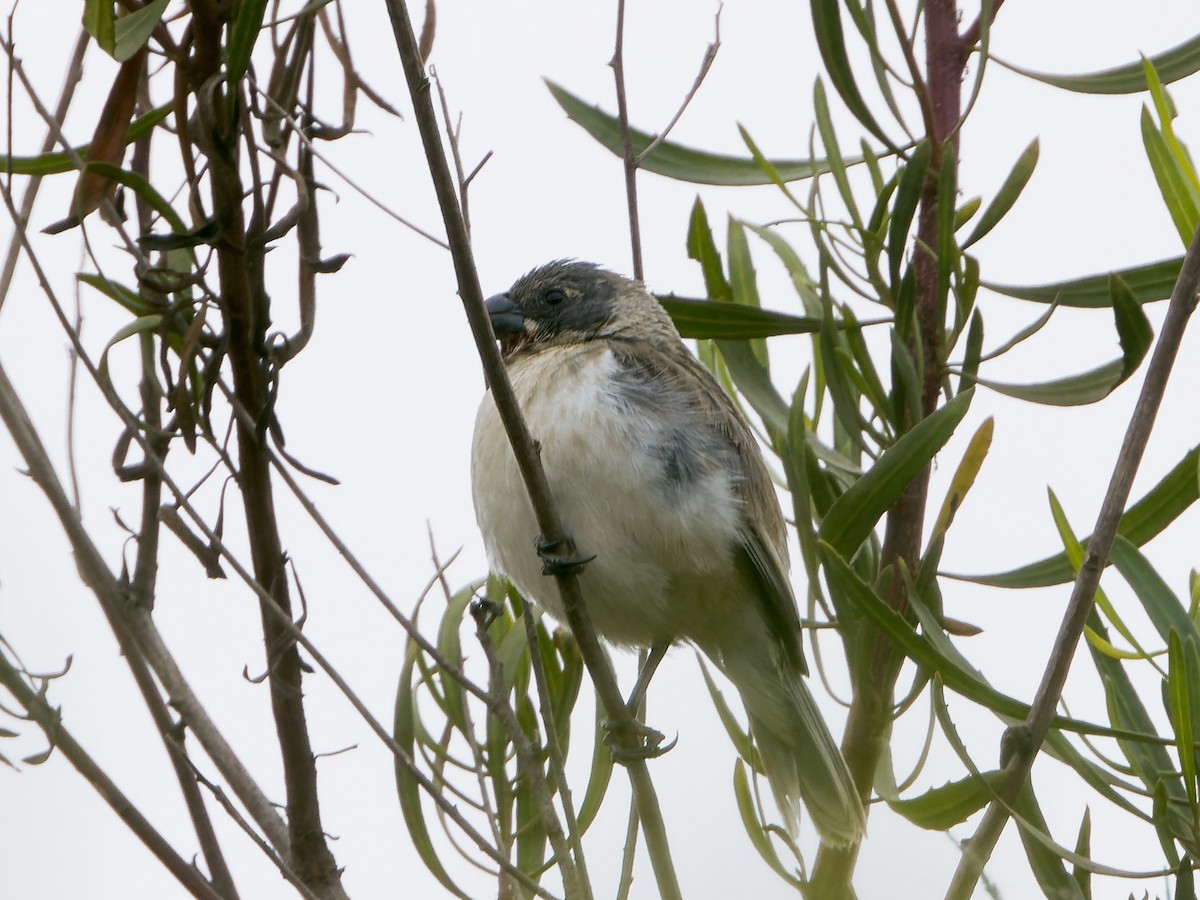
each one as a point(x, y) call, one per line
point(73, 77)
point(628, 156)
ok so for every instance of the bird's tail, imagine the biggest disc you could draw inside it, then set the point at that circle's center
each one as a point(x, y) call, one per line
point(798, 753)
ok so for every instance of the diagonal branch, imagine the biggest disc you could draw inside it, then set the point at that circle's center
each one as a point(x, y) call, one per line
point(548, 520)
point(1026, 740)
point(34, 703)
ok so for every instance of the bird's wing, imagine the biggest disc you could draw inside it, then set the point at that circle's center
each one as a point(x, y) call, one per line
point(665, 381)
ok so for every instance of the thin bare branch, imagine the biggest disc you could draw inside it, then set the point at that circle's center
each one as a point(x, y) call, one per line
point(710, 56)
point(629, 158)
point(1021, 744)
point(549, 523)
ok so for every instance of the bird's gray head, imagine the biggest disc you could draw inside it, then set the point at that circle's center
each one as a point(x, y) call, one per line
point(568, 302)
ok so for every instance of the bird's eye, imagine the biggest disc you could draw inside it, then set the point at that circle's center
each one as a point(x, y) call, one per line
point(555, 297)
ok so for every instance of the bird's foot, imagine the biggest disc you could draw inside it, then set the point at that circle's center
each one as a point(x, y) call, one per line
point(630, 739)
point(558, 557)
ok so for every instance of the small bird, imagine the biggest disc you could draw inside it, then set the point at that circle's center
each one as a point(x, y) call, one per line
point(657, 477)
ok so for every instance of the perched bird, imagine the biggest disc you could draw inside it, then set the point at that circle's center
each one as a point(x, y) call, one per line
point(655, 475)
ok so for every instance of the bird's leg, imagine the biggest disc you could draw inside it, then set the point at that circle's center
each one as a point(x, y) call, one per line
point(649, 739)
point(656, 654)
point(558, 557)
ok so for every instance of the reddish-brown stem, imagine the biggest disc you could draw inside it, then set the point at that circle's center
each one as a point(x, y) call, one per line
point(870, 713)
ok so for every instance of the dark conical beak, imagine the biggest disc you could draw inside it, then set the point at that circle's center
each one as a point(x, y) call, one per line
point(506, 316)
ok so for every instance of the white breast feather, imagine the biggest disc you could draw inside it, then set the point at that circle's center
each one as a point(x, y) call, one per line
point(609, 494)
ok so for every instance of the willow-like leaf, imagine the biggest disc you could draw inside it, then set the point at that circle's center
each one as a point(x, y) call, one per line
point(1178, 62)
point(676, 161)
point(943, 807)
point(831, 42)
point(908, 195)
point(1135, 336)
point(1148, 283)
point(243, 35)
point(754, 828)
point(1009, 191)
point(1045, 860)
point(1167, 613)
point(965, 474)
point(134, 29)
point(855, 513)
point(1083, 846)
point(1145, 519)
point(408, 790)
point(709, 319)
point(743, 281)
point(837, 165)
point(60, 160)
point(1182, 657)
point(99, 19)
point(599, 776)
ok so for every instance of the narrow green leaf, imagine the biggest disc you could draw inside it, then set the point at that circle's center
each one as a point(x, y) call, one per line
point(702, 248)
point(134, 29)
point(1179, 702)
point(599, 776)
point(243, 35)
point(1145, 519)
point(1185, 880)
point(60, 161)
point(801, 280)
point(958, 676)
point(1172, 182)
point(954, 802)
point(842, 393)
point(743, 281)
point(973, 353)
point(739, 737)
point(837, 165)
point(1083, 847)
point(676, 161)
point(827, 27)
point(709, 319)
point(1135, 336)
point(143, 189)
point(754, 828)
point(1167, 613)
point(908, 196)
point(855, 513)
point(1077, 390)
point(1075, 554)
point(965, 474)
point(755, 384)
point(408, 789)
point(1149, 282)
point(1007, 196)
point(450, 647)
point(1172, 65)
point(966, 212)
point(99, 18)
point(127, 297)
point(1047, 864)
point(767, 166)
